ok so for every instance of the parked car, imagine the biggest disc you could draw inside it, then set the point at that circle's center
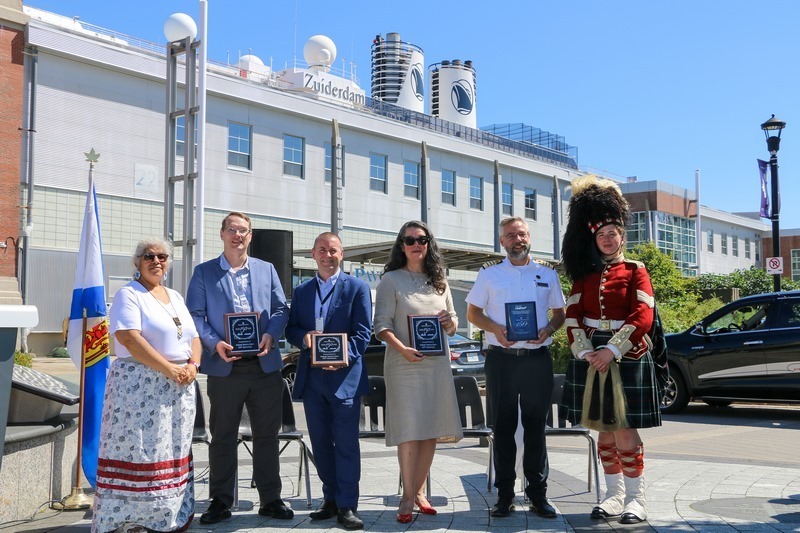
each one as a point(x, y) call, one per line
point(748, 350)
point(466, 359)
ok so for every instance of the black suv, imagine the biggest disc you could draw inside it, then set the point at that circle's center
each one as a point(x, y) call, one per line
point(748, 350)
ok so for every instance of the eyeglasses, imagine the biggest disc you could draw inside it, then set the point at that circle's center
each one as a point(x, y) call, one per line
point(409, 241)
point(238, 231)
point(152, 257)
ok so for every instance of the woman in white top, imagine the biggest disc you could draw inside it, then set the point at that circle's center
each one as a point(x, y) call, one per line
point(145, 476)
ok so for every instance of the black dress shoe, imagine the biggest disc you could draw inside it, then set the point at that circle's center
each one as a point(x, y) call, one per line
point(629, 518)
point(543, 508)
point(216, 512)
point(503, 507)
point(276, 509)
point(326, 510)
point(349, 518)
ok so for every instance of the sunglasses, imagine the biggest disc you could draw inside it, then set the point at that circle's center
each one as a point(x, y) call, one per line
point(409, 241)
point(152, 257)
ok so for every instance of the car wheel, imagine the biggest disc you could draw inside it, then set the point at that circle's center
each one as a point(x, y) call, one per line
point(718, 403)
point(676, 395)
point(289, 373)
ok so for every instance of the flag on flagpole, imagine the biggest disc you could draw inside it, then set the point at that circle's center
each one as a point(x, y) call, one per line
point(88, 295)
point(762, 172)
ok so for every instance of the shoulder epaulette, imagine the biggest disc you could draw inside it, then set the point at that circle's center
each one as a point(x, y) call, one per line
point(493, 262)
point(638, 264)
point(544, 263)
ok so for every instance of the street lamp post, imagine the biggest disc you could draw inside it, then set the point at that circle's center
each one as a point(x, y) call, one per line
point(773, 145)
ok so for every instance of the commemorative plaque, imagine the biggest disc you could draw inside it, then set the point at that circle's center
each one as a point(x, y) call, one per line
point(521, 321)
point(425, 334)
point(241, 332)
point(329, 349)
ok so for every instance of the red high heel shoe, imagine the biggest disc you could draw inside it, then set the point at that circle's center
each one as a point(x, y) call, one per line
point(426, 509)
point(404, 518)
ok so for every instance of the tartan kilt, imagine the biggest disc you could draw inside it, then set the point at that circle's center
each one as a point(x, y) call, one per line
point(638, 383)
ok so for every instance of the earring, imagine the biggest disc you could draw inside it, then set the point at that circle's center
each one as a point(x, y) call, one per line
point(137, 275)
point(165, 277)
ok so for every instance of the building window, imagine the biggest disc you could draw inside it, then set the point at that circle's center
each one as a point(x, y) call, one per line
point(675, 236)
point(377, 172)
point(293, 155)
point(637, 230)
point(723, 246)
point(795, 265)
point(411, 179)
point(747, 248)
point(180, 136)
point(507, 199)
point(553, 210)
point(449, 187)
point(710, 241)
point(328, 161)
point(239, 145)
point(476, 192)
point(735, 246)
point(530, 203)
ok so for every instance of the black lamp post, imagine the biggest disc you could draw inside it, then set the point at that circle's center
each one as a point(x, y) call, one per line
point(773, 145)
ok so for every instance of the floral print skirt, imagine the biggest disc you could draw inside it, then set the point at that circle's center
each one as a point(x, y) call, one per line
point(145, 474)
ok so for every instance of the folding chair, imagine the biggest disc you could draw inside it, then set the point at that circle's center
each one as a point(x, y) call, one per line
point(373, 416)
point(474, 425)
point(289, 433)
point(558, 427)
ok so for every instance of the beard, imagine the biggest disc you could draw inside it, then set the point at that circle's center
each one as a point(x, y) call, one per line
point(518, 254)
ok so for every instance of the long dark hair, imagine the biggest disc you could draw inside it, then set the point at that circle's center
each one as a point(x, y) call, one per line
point(433, 264)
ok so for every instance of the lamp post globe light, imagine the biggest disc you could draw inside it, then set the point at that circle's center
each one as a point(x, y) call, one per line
point(773, 145)
point(179, 26)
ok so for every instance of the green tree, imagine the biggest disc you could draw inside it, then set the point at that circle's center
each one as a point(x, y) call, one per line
point(749, 281)
point(669, 285)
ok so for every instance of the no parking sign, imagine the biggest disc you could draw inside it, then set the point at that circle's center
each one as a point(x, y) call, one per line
point(774, 265)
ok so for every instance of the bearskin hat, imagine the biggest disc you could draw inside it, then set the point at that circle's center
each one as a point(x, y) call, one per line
point(595, 202)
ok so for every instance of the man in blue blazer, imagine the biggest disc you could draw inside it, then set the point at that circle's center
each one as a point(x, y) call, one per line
point(333, 302)
point(233, 283)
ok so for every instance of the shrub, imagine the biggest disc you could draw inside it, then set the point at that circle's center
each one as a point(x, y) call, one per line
point(58, 351)
point(23, 358)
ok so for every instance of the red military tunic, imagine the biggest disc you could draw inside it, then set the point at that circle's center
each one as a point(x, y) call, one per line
point(620, 299)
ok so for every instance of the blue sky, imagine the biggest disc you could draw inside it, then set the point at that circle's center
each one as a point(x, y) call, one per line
point(653, 89)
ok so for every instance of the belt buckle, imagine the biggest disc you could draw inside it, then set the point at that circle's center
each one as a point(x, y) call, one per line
point(605, 325)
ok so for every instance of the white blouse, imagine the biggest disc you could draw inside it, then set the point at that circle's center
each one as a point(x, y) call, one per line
point(136, 309)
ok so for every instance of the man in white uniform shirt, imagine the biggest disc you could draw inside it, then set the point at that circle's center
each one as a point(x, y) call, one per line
point(519, 375)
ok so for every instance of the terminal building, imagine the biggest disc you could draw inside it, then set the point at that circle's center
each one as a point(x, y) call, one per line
point(275, 141)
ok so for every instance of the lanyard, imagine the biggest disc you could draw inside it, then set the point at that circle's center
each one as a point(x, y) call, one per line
point(322, 300)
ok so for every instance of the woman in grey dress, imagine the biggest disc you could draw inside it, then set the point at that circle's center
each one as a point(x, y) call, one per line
point(421, 404)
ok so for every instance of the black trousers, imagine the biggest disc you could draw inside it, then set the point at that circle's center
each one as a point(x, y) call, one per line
point(514, 383)
point(247, 384)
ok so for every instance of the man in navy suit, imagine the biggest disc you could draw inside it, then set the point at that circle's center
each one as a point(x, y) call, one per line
point(333, 302)
point(233, 283)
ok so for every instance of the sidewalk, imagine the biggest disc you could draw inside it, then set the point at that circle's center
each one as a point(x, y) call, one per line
point(697, 491)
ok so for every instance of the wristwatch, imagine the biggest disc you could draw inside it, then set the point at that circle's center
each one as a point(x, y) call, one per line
point(196, 364)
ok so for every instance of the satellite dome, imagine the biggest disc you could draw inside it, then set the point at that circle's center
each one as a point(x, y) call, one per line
point(248, 60)
point(319, 51)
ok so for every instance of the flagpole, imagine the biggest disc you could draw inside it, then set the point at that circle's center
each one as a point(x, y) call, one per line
point(77, 499)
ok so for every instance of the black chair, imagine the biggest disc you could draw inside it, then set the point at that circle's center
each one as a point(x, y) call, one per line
point(559, 427)
point(373, 418)
point(289, 433)
point(200, 430)
point(474, 425)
